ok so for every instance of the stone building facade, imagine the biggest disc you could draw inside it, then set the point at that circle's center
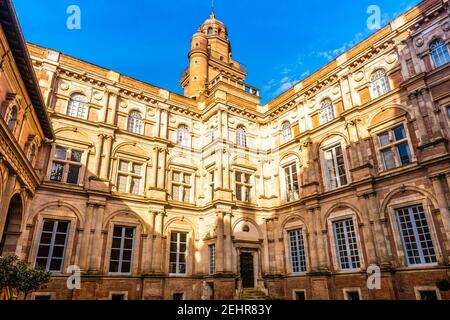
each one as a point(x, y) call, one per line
point(155, 195)
point(24, 127)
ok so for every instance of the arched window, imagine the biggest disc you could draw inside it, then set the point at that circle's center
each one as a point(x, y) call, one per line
point(210, 31)
point(439, 53)
point(286, 132)
point(78, 106)
point(183, 135)
point(326, 112)
point(379, 84)
point(12, 118)
point(135, 123)
point(241, 137)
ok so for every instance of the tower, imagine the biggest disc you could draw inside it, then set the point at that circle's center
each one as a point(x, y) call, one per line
point(210, 55)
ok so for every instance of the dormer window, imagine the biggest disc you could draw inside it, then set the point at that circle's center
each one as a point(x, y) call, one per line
point(210, 31)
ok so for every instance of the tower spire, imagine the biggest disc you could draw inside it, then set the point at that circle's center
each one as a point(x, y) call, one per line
point(212, 10)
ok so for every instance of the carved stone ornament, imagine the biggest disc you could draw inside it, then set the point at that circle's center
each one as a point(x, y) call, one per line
point(64, 86)
point(419, 42)
point(358, 76)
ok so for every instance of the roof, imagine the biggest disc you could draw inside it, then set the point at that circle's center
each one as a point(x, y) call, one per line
point(17, 45)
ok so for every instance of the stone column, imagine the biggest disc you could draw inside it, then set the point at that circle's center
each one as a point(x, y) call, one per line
point(112, 105)
point(321, 242)
point(312, 237)
point(423, 135)
point(107, 148)
point(84, 251)
point(381, 242)
point(9, 187)
point(219, 153)
point(95, 261)
point(434, 119)
point(226, 167)
point(158, 237)
point(368, 232)
point(154, 181)
point(417, 62)
point(271, 244)
point(148, 247)
point(98, 154)
point(164, 123)
point(220, 242)
point(354, 143)
point(162, 168)
point(228, 243)
point(443, 205)
point(279, 243)
point(220, 124)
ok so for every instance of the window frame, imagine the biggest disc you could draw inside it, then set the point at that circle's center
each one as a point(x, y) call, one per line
point(49, 257)
point(291, 161)
point(81, 105)
point(444, 51)
point(382, 82)
point(327, 109)
point(122, 240)
point(346, 292)
point(342, 216)
point(67, 163)
point(412, 200)
point(417, 237)
point(286, 132)
point(187, 252)
point(333, 145)
point(389, 126)
point(182, 185)
point(183, 138)
point(212, 258)
point(419, 289)
point(12, 118)
point(241, 137)
point(302, 233)
point(135, 125)
point(130, 175)
point(249, 187)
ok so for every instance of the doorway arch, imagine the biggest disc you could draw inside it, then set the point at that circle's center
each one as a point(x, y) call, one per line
point(11, 231)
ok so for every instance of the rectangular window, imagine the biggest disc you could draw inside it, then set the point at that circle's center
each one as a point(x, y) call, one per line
point(122, 250)
point(52, 245)
point(178, 296)
point(352, 295)
point(394, 148)
point(416, 236)
point(66, 166)
point(335, 167)
point(178, 253)
point(291, 180)
point(212, 258)
point(182, 187)
point(297, 251)
point(129, 177)
point(428, 295)
point(300, 295)
point(243, 186)
point(346, 245)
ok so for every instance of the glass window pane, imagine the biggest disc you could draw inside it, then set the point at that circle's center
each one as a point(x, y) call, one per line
point(61, 153)
point(76, 156)
point(135, 185)
point(122, 183)
point(123, 166)
point(399, 133)
point(57, 172)
point(388, 159)
point(403, 152)
point(73, 174)
point(384, 139)
point(137, 168)
point(187, 178)
point(176, 176)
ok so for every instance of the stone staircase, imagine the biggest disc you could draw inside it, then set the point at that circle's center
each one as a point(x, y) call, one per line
point(253, 294)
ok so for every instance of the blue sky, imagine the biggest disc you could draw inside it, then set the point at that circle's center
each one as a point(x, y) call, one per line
point(280, 42)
